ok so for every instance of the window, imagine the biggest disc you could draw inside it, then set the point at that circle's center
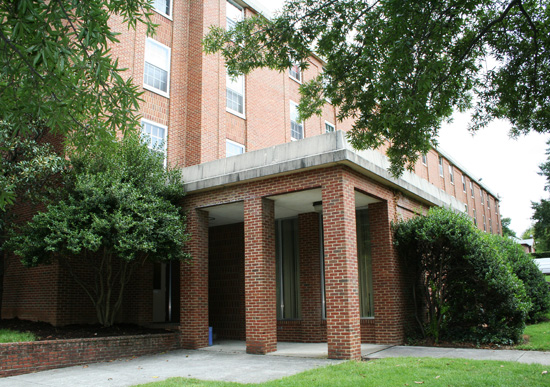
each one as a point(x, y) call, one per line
point(463, 183)
point(234, 14)
point(364, 264)
point(233, 148)
point(235, 95)
point(329, 128)
point(296, 127)
point(472, 189)
point(488, 203)
point(163, 7)
point(156, 75)
point(154, 135)
point(484, 225)
point(490, 226)
point(475, 217)
point(424, 159)
point(288, 269)
point(451, 174)
point(466, 209)
point(440, 166)
point(295, 72)
point(481, 195)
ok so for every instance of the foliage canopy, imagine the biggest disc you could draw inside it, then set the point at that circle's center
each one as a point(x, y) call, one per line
point(523, 266)
point(120, 208)
point(56, 69)
point(400, 68)
point(465, 282)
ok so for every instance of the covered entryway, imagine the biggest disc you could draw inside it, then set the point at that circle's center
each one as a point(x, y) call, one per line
point(275, 236)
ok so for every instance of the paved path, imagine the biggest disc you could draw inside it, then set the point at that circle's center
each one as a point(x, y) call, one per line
point(234, 367)
point(228, 362)
point(465, 353)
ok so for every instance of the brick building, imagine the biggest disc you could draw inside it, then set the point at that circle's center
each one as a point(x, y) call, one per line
point(291, 236)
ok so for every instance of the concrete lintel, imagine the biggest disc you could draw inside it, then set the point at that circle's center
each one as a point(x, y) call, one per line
point(315, 152)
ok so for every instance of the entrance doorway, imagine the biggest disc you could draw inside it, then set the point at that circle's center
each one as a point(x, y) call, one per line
point(166, 289)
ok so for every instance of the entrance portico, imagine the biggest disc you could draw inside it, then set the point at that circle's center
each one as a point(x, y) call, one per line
point(316, 277)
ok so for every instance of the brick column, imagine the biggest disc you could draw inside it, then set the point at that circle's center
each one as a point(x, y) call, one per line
point(194, 284)
point(341, 277)
point(310, 277)
point(387, 286)
point(259, 261)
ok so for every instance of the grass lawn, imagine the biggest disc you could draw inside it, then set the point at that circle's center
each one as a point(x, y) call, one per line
point(9, 336)
point(539, 336)
point(402, 372)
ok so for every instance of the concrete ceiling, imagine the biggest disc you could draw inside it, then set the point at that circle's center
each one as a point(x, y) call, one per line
point(286, 206)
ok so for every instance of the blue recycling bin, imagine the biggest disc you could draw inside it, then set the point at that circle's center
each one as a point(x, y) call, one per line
point(210, 336)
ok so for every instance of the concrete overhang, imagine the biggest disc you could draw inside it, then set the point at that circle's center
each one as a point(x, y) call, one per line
point(321, 151)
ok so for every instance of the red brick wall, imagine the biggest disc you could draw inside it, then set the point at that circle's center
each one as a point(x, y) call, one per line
point(23, 358)
point(30, 293)
point(388, 324)
point(49, 293)
point(226, 281)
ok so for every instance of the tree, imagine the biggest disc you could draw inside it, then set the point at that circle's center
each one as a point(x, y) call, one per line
point(400, 68)
point(29, 167)
point(120, 208)
point(541, 214)
point(529, 233)
point(523, 266)
point(464, 284)
point(506, 230)
point(56, 69)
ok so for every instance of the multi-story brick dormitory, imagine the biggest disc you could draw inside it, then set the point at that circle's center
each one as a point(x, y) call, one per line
point(291, 236)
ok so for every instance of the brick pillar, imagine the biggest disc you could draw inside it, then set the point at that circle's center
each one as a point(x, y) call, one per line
point(388, 297)
point(341, 276)
point(194, 284)
point(310, 277)
point(259, 261)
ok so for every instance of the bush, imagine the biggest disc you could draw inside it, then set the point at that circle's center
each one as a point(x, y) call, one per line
point(465, 282)
point(527, 271)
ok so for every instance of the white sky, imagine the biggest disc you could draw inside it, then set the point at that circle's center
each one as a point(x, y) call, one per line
point(508, 167)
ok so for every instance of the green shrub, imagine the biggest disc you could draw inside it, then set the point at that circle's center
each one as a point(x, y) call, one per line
point(465, 282)
point(527, 271)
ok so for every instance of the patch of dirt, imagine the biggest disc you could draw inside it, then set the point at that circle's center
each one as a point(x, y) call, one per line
point(45, 331)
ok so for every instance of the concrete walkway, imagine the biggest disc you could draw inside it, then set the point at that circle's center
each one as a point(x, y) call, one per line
point(227, 361)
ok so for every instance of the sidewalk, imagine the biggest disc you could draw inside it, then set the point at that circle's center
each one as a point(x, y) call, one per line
point(227, 361)
point(464, 353)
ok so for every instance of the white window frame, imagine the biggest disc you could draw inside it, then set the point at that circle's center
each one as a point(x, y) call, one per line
point(481, 195)
point(152, 88)
point(472, 189)
point(236, 6)
point(451, 174)
point(166, 15)
point(295, 105)
point(484, 224)
point(424, 159)
point(440, 162)
point(228, 82)
point(165, 139)
point(475, 217)
point(463, 183)
point(299, 73)
point(229, 142)
point(331, 125)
